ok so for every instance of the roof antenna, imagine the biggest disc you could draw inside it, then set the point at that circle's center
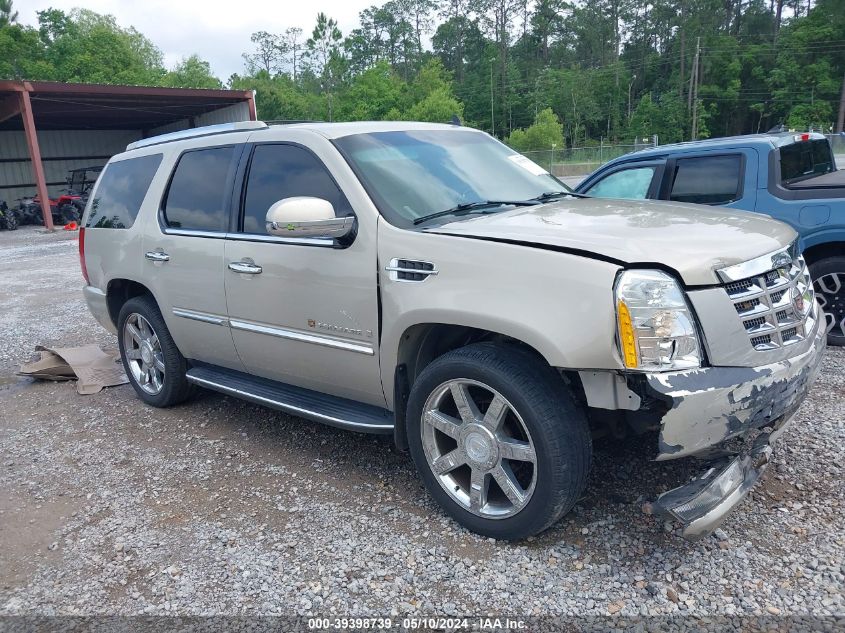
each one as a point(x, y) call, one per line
point(455, 120)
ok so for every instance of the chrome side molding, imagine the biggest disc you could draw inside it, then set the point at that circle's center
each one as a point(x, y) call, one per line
point(359, 347)
point(202, 317)
point(304, 337)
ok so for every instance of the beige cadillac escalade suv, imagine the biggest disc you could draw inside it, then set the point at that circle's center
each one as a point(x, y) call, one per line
point(428, 282)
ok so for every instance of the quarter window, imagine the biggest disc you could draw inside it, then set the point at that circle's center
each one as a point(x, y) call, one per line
point(123, 186)
point(631, 183)
point(285, 171)
point(707, 180)
point(196, 199)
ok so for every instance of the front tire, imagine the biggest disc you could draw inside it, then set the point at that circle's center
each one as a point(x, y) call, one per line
point(829, 283)
point(151, 360)
point(498, 439)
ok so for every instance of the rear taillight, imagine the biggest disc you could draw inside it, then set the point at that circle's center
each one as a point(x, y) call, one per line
point(82, 253)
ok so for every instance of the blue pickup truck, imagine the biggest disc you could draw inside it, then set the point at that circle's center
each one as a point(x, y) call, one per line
point(791, 177)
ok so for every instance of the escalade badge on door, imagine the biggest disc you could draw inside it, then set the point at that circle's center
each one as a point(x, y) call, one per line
point(339, 329)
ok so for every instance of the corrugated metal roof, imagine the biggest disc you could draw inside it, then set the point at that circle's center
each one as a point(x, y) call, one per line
point(65, 106)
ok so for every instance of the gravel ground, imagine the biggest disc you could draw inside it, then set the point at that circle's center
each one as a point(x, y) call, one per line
point(220, 507)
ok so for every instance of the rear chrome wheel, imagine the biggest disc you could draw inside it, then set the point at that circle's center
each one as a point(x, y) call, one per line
point(479, 448)
point(143, 354)
point(151, 359)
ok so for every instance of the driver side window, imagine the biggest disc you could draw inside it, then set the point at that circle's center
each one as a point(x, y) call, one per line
point(631, 183)
point(280, 171)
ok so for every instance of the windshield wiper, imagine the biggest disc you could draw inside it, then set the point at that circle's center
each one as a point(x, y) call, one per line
point(468, 207)
point(552, 195)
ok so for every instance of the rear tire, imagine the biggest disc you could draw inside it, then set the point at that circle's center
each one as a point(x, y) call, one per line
point(8, 220)
point(829, 283)
point(11, 219)
point(518, 410)
point(154, 365)
point(68, 213)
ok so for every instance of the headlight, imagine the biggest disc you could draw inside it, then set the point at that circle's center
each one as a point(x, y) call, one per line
point(656, 328)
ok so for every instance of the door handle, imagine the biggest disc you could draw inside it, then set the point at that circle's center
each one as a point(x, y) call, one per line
point(247, 268)
point(157, 256)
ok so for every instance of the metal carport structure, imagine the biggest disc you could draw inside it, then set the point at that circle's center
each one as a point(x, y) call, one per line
point(47, 127)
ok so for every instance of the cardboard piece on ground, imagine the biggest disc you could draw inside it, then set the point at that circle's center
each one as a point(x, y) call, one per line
point(93, 367)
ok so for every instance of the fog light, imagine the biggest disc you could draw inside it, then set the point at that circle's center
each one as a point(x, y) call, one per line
point(712, 494)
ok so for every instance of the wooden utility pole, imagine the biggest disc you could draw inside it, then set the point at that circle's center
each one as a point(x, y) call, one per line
point(840, 120)
point(694, 88)
point(683, 70)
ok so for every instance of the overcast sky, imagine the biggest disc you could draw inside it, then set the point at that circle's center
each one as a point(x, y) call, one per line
point(217, 30)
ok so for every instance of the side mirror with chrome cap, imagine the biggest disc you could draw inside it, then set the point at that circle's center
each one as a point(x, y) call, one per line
point(304, 216)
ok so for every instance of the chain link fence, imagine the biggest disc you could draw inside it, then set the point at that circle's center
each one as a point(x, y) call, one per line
point(580, 161)
point(837, 142)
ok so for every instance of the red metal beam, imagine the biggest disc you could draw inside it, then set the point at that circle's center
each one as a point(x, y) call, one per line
point(35, 157)
point(11, 86)
point(56, 87)
point(9, 107)
point(253, 113)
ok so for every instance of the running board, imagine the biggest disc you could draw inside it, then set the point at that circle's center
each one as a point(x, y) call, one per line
point(320, 407)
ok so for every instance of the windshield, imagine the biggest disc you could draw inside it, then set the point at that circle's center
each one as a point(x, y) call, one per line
point(415, 173)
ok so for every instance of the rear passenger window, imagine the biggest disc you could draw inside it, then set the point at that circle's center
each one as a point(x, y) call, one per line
point(707, 180)
point(123, 186)
point(196, 199)
point(285, 171)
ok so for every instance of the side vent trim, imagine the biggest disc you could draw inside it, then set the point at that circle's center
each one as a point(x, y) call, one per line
point(410, 270)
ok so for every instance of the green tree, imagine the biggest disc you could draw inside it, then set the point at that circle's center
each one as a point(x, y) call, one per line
point(8, 15)
point(545, 133)
point(267, 55)
point(437, 107)
point(89, 47)
point(279, 98)
point(192, 72)
point(324, 55)
point(664, 118)
point(23, 54)
point(807, 77)
point(371, 94)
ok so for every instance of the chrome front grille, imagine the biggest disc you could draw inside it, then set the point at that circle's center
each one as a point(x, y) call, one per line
point(775, 306)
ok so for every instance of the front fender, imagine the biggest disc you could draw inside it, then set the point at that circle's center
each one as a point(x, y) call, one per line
point(558, 303)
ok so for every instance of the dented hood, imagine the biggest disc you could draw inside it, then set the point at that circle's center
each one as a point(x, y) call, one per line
point(693, 240)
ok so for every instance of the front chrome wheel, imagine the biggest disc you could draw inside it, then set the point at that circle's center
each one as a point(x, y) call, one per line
point(830, 292)
point(479, 448)
point(144, 357)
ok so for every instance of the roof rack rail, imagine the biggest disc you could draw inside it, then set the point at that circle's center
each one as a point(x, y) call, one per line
point(292, 121)
point(208, 130)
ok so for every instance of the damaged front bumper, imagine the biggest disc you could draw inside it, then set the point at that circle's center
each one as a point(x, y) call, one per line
point(704, 503)
point(707, 408)
point(704, 408)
